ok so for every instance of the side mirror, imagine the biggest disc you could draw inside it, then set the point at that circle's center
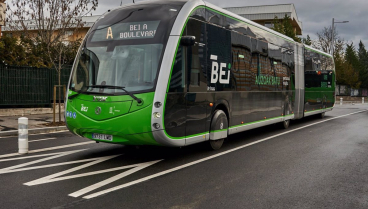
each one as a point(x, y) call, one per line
point(187, 40)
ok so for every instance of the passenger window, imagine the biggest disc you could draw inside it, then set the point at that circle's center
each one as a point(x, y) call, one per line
point(219, 59)
point(215, 18)
point(177, 81)
point(195, 56)
point(241, 51)
point(199, 14)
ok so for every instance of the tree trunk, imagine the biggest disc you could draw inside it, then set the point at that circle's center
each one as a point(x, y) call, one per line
point(59, 75)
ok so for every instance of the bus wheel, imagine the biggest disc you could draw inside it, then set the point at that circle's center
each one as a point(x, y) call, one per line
point(322, 115)
point(218, 132)
point(285, 124)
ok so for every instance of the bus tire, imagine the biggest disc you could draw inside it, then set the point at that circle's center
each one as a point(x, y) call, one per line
point(219, 122)
point(285, 124)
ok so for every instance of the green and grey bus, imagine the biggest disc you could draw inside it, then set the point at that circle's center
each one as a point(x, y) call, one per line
point(175, 73)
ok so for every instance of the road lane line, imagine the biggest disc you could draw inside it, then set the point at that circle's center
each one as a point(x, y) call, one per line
point(40, 140)
point(20, 167)
point(56, 132)
point(207, 158)
point(28, 157)
point(54, 177)
point(48, 149)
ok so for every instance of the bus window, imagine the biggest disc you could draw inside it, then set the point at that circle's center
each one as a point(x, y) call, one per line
point(195, 56)
point(177, 82)
point(199, 14)
point(219, 59)
point(241, 55)
point(215, 18)
point(276, 63)
point(261, 71)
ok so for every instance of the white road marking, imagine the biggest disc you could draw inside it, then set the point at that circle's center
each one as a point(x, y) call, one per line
point(207, 158)
point(27, 157)
point(20, 167)
point(56, 177)
point(40, 140)
point(56, 132)
point(53, 177)
point(48, 149)
point(137, 168)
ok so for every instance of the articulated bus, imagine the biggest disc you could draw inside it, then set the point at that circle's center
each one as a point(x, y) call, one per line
point(175, 73)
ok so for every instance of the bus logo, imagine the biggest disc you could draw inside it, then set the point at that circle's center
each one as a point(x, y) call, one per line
point(217, 74)
point(99, 99)
point(98, 110)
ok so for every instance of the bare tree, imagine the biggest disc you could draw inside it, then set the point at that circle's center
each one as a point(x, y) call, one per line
point(2, 13)
point(324, 41)
point(48, 22)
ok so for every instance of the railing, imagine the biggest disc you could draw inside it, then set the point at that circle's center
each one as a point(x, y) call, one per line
point(29, 86)
point(344, 90)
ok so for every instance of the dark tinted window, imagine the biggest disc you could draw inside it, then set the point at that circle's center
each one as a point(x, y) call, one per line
point(219, 58)
point(312, 61)
point(190, 66)
point(215, 18)
point(199, 14)
point(241, 60)
point(195, 55)
point(318, 70)
point(177, 81)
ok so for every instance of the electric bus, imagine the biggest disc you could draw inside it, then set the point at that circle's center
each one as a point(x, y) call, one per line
point(176, 73)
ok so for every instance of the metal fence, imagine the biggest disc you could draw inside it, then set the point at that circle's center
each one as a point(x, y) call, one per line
point(29, 86)
point(344, 90)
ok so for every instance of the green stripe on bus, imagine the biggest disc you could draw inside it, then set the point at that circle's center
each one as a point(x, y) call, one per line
point(319, 109)
point(245, 124)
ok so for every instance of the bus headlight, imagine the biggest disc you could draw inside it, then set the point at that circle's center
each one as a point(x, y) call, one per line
point(157, 115)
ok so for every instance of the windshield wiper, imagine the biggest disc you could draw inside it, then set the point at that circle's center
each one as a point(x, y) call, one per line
point(74, 95)
point(117, 87)
point(81, 92)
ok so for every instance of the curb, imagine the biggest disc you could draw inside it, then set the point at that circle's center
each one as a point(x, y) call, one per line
point(34, 131)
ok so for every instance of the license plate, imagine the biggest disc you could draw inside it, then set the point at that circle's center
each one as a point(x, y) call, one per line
point(102, 137)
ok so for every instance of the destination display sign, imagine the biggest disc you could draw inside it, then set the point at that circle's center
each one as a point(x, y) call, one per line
point(124, 31)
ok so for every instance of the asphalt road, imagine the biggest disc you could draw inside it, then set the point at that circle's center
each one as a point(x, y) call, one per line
point(316, 163)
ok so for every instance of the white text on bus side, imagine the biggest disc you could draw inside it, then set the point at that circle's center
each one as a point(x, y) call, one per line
point(216, 75)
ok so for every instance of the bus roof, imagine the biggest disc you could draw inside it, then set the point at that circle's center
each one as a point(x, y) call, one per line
point(318, 51)
point(190, 5)
point(226, 12)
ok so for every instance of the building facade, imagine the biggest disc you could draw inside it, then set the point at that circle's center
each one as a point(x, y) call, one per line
point(2, 14)
point(69, 36)
point(263, 15)
point(266, 14)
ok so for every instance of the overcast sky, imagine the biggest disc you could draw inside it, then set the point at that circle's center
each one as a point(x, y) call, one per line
point(314, 14)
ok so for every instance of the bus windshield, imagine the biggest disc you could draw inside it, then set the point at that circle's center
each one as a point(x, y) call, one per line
point(124, 48)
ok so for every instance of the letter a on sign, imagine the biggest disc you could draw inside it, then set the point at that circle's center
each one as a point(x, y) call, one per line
point(109, 33)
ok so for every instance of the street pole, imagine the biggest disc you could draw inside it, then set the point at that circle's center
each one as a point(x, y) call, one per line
point(332, 36)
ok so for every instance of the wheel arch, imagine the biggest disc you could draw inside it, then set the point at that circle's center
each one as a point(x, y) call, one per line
point(224, 106)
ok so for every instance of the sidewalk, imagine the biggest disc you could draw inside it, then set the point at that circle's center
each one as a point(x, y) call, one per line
point(36, 124)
